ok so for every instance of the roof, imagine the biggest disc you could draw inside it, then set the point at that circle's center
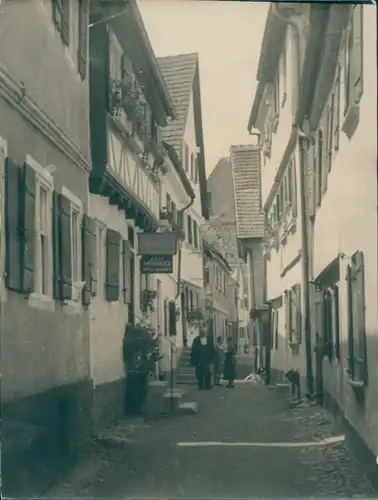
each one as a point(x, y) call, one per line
point(246, 174)
point(214, 252)
point(178, 72)
point(181, 74)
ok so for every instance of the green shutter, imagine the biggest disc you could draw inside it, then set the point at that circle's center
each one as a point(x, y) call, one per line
point(113, 248)
point(88, 258)
point(57, 9)
point(57, 282)
point(359, 271)
point(65, 25)
point(13, 241)
point(172, 319)
point(337, 320)
point(350, 323)
point(83, 38)
point(28, 237)
point(65, 248)
point(126, 271)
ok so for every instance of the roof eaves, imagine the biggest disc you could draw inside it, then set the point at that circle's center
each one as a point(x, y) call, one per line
point(255, 106)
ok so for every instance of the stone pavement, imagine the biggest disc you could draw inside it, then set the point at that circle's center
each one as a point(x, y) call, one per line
point(148, 463)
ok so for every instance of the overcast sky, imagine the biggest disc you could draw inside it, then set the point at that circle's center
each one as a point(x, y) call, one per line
point(227, 35)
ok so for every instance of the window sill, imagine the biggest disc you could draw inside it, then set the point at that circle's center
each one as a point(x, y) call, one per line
point(72, 307)
point(43, 302)
point(357, 385)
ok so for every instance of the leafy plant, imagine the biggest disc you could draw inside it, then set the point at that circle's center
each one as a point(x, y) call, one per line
point(147, 300)
point(141, 348)
point(196, 316)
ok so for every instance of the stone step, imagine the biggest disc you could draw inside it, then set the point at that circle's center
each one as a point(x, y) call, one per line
point(185, 376)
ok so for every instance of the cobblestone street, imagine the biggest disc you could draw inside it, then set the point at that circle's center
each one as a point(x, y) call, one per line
point(148, 461)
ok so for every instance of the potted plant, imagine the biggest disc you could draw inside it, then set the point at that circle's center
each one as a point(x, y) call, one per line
point(140, 353)
point(147, 301)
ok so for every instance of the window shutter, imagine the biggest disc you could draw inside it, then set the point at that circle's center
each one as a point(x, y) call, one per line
point(89, 252)
point(293, 316)
point(319, 329)
point(65, 26)
point(337, 320)
point(13, 239)
point(28, 224)
point(330, 128)
point(361, 322)
point(56, 248)
point(336, 111)
point(126, 271)
point(357, 57)
point(65, 248)
point(172, 319)
point(293, 180)
point(288, 315)
point(298, 299)
point(350, 323)
point(83, 38)
point(169, 203)
point(327, 321)
point(165, 317)
point(57, 13)
point(113, 247)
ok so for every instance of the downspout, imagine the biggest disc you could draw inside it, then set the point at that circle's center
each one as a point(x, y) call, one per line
point(304, 239)
point(181, 212)
point(305, 265)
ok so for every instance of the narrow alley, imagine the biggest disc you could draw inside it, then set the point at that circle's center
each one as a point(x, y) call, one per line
point(164, 458)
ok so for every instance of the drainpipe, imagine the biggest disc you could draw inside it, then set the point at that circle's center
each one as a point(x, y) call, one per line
point(303, 158)
point(304, 239)
point(181, 212)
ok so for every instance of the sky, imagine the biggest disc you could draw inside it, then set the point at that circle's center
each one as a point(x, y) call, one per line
point(227, 36)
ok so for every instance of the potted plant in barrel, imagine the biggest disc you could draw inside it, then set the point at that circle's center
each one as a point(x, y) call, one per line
point(140, 353)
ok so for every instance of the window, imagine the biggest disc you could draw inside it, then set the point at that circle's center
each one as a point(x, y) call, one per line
point(206, 276)
point(186, 157)
point(100, 258)
point(195, 234)
point(169, 203)
point(293, 314)
point(191, 304)
point(357, 348)
point(43, 255)
point(190, 234)
point(331, 322)
point(192, 166)
point(274, 319)
point(353, 59)
point(174, 212)
point(76, 213)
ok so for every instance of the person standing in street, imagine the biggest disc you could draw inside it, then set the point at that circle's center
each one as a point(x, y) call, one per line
point(229, 372)
point(218, 361)
point(202, 357)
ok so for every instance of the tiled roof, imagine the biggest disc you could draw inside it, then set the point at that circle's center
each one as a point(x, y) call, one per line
point(178, 72)
point(246, 174)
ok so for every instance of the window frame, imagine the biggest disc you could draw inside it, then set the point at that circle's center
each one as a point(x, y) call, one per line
point(43, 179)
point(76, 206)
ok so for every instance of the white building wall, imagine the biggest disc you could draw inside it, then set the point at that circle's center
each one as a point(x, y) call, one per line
point(347, 222)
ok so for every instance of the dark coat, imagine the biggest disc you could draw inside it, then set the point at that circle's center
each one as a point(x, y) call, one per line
point(229, 372)
point(202, 354)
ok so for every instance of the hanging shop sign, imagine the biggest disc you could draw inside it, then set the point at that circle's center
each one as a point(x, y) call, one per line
point(156, 264)
point(157, 244)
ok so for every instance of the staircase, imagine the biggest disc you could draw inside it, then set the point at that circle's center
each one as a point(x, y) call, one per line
point(185, 373)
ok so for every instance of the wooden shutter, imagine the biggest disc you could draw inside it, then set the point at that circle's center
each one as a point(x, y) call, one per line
point(351, 322)
point(172, 319)
point(293, 316)
point(336, 111)
point(57, 13)
point(298, 300)
point(28, 225)
point(361, 358)
point(89, 254)
point(65, 26)
point(327, 322)
point(357, 56)
point(113, 249)
point(288, 315)
point(126, 254)
point(57, 282)
point(310, 186)
point(13, 239)
point(336, 311)
point(330, 134)
point(165, 317)
point(319, 328)
point(293, 181)
point(83, 38)
point(65, 248)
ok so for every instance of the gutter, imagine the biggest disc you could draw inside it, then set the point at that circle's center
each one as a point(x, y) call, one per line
point(181, 212)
